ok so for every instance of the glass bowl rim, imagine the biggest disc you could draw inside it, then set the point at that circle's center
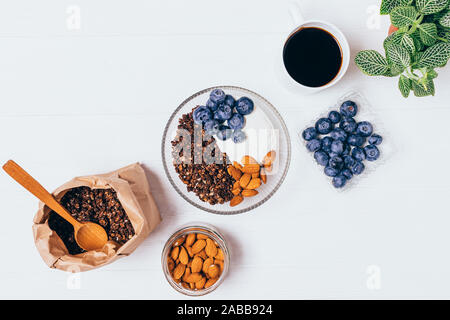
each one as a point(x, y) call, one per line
point(233, 212)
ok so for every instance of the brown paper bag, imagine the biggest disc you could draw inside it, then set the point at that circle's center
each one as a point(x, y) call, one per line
point(133, 192)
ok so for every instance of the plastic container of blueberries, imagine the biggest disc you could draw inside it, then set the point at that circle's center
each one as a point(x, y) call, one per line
point(365, 113)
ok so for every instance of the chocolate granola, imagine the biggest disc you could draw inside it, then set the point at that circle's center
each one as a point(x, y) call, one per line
point(95, 205)
point(209, 181)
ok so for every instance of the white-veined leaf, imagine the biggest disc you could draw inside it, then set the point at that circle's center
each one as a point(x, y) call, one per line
point(428, 33)
point(403, 16)
point(404, 84)
point(399, 56)
point(430, 6)
point(423, 90)
point(445, 20)
point(434, 56)
point(371, 63)
point(387, 5)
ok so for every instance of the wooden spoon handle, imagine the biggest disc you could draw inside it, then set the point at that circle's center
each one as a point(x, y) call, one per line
point(29, 183)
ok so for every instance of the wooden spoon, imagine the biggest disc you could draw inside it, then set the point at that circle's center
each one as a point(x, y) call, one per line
point(88, 235)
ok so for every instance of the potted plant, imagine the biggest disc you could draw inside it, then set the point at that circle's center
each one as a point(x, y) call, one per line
point(418, 43)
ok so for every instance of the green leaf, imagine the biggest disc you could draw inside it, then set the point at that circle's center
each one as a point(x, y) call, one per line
point(435, 56)
point(371, 62)
point(393, 71)
point(428, 33)
point(404, 84)
point(430, 6)
point(418, 44)
point(423, 90)
point(399, 56)
point(387, 5)
point(445, 20)
point(403, 16)
point(403, 39)
point(431, 74)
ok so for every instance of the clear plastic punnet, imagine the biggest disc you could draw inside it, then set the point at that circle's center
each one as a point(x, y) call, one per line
point(365, 113)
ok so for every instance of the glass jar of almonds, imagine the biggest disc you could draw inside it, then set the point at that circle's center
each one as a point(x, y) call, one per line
point(195, 259)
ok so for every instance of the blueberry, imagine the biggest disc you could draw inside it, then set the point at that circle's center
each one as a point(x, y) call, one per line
point(224, 112)
point(357, 167)
point(349, 109)
point(212, 127)
point(321, 157)
point(331, 172)
point(333, 154)
point(326, 144)
point(224, 133)
point(212, 105)
point(217, 95)
point(336, 163)
point(364, 128)
point(238, 136)
point(372, 152)
point(236, 122)
point(229, 100)
point(349, 161)
point(313, 145)
point(339, 181)
point(347, 150)
point(375, 139)
point(337, 147)
point(324, 126)
point(244, 106)
point(202, 114)
point(348, 125)
point(356, 140)
point(338, 134)
point(334, 116)
point(309, 134)
point(347, 173)
point(358, 154)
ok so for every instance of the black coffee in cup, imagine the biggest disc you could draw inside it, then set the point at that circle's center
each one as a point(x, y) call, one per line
point(312, 56)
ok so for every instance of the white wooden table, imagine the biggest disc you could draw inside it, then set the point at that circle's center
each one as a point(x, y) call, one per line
point(87, 86)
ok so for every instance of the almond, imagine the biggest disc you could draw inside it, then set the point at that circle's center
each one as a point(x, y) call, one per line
point(236, 191)
point(202, 254)
point(179, 241)
point(187, 273)
point(170, 264)
point(190, 239)
point(197, 264)
point(263, 175)
point(206, 264)
point(186, 285)
point(220, 255)
point(245, 179)
point(174, 253)
point(220, 263)
point(251, 168)
point(210, 249)
point(255, 175)
point(249, 192)
point(235, 173)
point(198, 246)
point(237, 165)
point(254, 183)
point(269, 159)
point(184, 259)
point(236, 185)
point(202, 236)
point(214, 271)
point(200, 284)
point(248, 160)
point(210, 282)
point(189, 251)
point(179, 271)
point(192, 285)
point(236, 200)
point(193, 277)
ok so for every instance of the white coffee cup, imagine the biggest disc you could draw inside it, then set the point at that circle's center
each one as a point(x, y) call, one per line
point(340, 38)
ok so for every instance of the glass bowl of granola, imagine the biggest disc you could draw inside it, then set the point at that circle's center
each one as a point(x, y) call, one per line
point(234, 165)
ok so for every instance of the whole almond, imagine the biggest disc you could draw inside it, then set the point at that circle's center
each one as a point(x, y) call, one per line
point(197, 264)
point(179, 271)
point(214, 271)
point(251, 168)
point(190, 239)
point(236, 191)
point(202, 254)
point(193, 277)
point(220, 255)
point(237, 165)
point(198, 246)
point(170, 264)
point(219, 263)
point(202, 236)
point(254, 183)
point(210, 282)
point(245, 179)
point(184, 259)
point(249, 192)
point(200, 284)
point(236, 185)
point(235, 173)
point(248, 160)
point(206, 264)
point(263, 175)
point(269, 159)
point(210, 249)
point(236, 200)
point(189, 251)
point(179, 241)
point(187, 273)
point(174, 253)
point(255, 175)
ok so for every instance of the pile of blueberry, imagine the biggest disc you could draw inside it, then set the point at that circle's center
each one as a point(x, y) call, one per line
point(342, 150)
point(222, 107)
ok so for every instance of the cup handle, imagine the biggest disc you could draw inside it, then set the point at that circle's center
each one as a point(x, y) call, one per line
point(296, 13)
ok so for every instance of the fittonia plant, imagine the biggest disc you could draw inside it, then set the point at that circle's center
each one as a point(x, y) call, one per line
point(421, 44)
